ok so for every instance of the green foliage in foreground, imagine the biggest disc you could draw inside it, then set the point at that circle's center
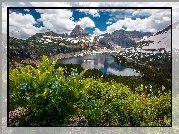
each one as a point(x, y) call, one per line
point(52, 97)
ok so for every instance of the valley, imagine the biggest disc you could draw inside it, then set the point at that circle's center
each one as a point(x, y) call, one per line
point(84, 90)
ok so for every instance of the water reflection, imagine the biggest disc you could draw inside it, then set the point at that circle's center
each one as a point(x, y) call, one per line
point(124, 72)
point(104, 62)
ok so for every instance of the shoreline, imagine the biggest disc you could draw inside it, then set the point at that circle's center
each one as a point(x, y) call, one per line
point(37, 62)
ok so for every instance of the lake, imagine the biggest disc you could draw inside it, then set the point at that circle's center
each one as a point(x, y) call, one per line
point(104, 62)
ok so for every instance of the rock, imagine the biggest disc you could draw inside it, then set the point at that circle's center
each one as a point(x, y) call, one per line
point(122, 38)
point(78, 32)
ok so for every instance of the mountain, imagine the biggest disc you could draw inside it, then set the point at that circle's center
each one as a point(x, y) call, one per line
point(38, 36)
point(159, 40)
point(78, 32)
point(118, 38)
point(122, 38)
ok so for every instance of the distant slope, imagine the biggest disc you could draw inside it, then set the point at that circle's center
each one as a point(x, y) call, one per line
point(122, 38)
point(161, 39)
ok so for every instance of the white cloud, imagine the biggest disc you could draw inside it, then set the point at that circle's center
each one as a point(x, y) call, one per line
point(50, 4)
point(166, 18)
point(21, 26)
point(93, 12)
point(174, 5)
point(27, 10)
point(98, 32)
point(22, 3)
point(57, 20)
point(86, 22)
point(62, 13)
point(88, 4)
point(142, 12)
point(108, 22)
point(130, 24)
point(158, 19)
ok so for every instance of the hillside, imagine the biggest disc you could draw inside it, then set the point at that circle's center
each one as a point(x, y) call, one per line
point(157, 41)
point(122, 38)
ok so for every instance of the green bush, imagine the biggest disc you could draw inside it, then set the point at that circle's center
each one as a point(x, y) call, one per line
point(48, 95)
point(53, 96)
point(117, 105)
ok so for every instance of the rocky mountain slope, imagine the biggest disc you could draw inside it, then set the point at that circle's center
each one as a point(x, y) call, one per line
point(78, 32)
point(159, 40)
point(122, 38)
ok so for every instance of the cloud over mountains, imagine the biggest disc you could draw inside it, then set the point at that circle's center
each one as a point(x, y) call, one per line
point(146, 20)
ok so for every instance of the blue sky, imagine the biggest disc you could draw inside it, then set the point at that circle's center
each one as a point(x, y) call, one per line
point(25, 23)
point(99, 21)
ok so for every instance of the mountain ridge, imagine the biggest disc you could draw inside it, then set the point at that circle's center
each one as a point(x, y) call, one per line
point(122, 38)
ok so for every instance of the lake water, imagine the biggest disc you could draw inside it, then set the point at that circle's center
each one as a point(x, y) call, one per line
point(104, 62)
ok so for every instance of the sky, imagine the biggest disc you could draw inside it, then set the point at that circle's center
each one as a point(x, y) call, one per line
point(24, 23)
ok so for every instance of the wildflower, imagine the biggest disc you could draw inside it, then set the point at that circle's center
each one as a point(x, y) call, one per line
point(53, 86)
point(56, 72)
point(55, 81)
point(73, 73)
point(24, 85)
point(49, 83)
point(14, 99)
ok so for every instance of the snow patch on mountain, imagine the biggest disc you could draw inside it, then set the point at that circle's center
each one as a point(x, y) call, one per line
point(161, 39)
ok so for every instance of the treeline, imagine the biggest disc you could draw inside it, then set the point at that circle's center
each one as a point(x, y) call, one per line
point(155, 69)
point(22, 49)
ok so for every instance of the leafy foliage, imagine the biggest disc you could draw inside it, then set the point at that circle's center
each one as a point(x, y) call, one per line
point(46, 93)
point(53, 95)
point(117, 105)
